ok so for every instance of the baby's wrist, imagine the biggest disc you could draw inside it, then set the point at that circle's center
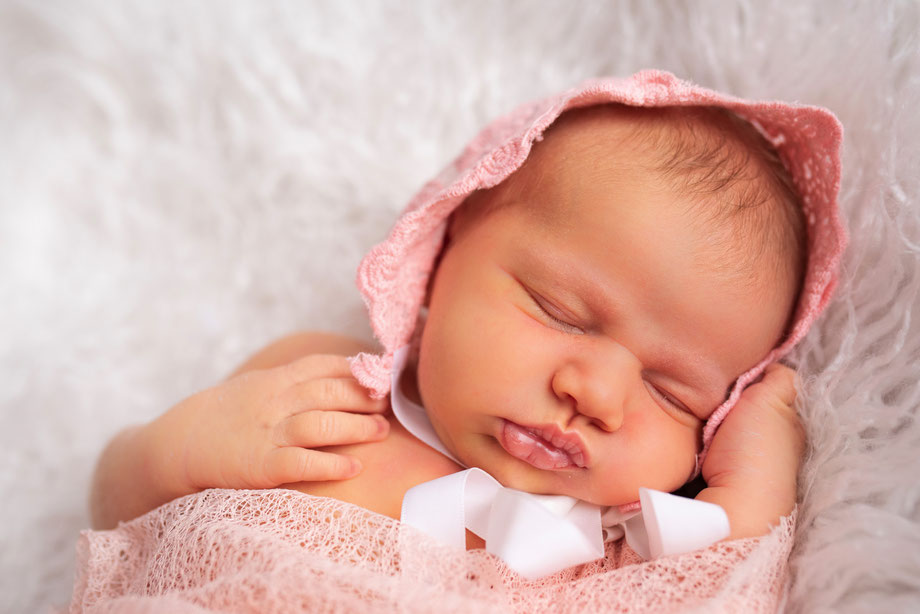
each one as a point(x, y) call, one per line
point(753, 506)
point(163, 460)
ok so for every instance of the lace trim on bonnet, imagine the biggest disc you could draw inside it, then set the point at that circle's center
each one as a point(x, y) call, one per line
point(393, 276)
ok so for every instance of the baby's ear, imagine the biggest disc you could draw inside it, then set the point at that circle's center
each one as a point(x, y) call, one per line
point(477, 206)
point(448, 237)
point(457, 221)
point(427, 302)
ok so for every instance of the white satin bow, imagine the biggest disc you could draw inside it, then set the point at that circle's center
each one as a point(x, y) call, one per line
point(535, 538)
point(537, 535)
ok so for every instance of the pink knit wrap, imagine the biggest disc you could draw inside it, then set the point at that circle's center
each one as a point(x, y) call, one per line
point(393, 277)
point(254, 552)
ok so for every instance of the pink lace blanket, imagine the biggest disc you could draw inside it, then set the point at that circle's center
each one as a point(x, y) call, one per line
point(283, 551)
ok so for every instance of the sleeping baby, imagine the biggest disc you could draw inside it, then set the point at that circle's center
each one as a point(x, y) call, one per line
point(592, 301)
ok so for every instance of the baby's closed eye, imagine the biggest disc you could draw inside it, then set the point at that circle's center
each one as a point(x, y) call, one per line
point(554, 314)
point(663, 396)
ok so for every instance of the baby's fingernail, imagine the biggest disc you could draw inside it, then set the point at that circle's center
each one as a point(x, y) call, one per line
point(382, 424)
point(355, 467)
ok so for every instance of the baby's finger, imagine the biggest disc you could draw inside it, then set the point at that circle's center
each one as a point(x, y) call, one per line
point(287, 465)
point(341, 393)
point(315, 366)
point(780, 381)
point(315, 429)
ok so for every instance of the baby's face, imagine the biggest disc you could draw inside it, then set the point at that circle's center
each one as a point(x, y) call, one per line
point(582, 329)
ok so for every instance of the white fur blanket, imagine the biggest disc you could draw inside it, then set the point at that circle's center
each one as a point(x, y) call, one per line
point(182, 182)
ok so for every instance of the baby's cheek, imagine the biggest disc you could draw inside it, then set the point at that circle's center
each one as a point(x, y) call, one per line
point(663, 450)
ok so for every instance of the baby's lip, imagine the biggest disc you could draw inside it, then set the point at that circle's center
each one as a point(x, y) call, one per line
point(545, 446)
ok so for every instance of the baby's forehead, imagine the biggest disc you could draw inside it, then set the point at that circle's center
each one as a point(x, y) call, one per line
point(703, 157)
point(703, 150)
point(717, 167)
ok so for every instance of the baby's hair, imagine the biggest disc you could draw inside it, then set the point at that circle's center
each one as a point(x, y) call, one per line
point(711, 151)
point(704, 152)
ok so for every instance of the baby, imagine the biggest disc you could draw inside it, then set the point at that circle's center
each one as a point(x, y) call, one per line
point(586, 317)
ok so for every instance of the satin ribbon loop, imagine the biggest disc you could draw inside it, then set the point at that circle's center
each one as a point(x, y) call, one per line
point(536, 536)
point(535, 542)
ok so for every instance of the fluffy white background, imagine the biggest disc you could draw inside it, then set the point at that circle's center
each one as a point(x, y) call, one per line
point(181, 182)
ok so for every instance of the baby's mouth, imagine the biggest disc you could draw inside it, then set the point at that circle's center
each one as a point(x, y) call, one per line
point(544, 447)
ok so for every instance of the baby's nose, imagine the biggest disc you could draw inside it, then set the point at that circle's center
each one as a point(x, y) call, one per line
point(596, 389)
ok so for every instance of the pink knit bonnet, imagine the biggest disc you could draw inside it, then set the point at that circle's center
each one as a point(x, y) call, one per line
point(393, 277)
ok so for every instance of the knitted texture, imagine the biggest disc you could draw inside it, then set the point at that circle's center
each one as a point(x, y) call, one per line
point(284, 551)
point(393, 277)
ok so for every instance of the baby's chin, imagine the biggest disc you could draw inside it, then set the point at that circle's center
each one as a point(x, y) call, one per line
point(539, 485)
point(514, 473)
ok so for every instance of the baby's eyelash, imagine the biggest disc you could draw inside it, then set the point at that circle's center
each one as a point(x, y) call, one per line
point(669, 399)
point(539, 302)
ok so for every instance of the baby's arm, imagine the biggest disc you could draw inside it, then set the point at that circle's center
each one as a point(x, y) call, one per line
point(752, 465)
point(255, 430)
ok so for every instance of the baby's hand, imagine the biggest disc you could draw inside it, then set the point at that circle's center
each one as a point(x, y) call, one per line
point(257, 430)
point(752, 465)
